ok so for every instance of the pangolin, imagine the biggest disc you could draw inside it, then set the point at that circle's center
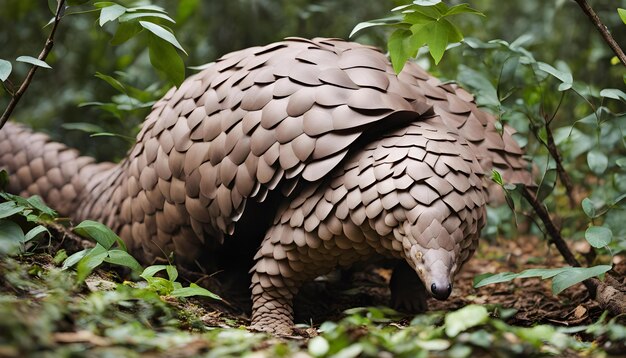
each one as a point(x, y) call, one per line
point(313, 149)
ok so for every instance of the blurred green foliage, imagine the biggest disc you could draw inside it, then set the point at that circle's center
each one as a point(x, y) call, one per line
point(48, 314)
point(554, 30)
point(206, 29)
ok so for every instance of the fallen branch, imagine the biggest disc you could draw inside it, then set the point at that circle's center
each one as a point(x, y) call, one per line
point(29, 77)
point(608, 297)
point(606, 35)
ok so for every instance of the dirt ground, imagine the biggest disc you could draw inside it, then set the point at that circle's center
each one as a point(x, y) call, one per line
point(532, 298)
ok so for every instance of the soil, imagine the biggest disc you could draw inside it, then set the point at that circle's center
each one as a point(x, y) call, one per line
point(532, 298)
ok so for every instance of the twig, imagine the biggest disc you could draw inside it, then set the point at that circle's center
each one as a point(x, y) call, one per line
point(603, 30)
point(553, 231)
point(606, 295)
point(42, 56)
point(565, 178)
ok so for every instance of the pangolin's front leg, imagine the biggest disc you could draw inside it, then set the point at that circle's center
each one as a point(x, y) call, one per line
point(408, 293)
point(288, 257)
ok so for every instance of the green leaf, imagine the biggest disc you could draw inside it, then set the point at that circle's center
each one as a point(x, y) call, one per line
point(59, 257)
point(465, 318)
point(575, 275)
point(618, 199)
point(102, 4)
point(621, 162)
point(589, 208)
point(597, 161)
point(150, 271)
point(36, 202)
point(123, 258)
point(164, 58)
point(9, 208)
point(486, 93)
point(147, 7)
point(194, 290)
point(439, 38)
point(622, 14)
point(462, 9)
point(613, 93)
point(111, 13)
point(172, 272)
point(488, 279)
point(377, 22)
point(435, 34)
point(426, 2)
point(125, 31)
point(598, 236)
point(497, 177)
point(5, 69)
point(433, 13)
point(614, 60)
point(97, 231)
point(94, 258)
point(140, 15)
point(11, 237)
point(161, 285)
point(318, 346)
point(74, 258)
point(34, 232)
point(112, 81)
point(83, 127)
point(562, 76)
point(399, 51)
point(162, 33)
point(33, 61)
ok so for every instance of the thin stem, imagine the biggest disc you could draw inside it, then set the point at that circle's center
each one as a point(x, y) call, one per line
point(553, 231)
point(608, 38)
point(29, 77)
point(565, 178)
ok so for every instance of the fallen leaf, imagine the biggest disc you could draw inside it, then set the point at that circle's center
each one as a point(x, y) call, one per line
point(80, 337)
point(580, 311)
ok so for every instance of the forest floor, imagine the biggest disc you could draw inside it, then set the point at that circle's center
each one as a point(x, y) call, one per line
point(44, 312)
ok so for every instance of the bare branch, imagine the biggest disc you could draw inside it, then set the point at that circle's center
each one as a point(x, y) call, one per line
point(608, 38)
point(42, 56)
point(606, 295)
point(565, 178)
point(553, 231)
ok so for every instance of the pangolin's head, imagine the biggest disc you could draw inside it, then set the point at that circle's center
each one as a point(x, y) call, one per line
point(435, 267)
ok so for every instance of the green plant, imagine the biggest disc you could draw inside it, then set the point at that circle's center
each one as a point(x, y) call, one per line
point(13, 238)
point(420, 23)
point(509, 67)
point(111, 249)
point(169, 286)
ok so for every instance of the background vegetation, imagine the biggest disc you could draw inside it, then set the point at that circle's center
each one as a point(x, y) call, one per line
point(576, 100)
point(555, 30)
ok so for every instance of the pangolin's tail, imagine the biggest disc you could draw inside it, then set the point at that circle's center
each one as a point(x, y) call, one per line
point(39, 166)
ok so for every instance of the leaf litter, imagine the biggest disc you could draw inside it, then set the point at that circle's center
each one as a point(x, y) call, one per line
point(46, 312)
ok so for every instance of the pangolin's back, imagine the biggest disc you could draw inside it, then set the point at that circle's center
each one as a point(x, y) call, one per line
point(266, 121)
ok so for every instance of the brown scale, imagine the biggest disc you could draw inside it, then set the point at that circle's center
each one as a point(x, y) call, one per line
point(352, 163)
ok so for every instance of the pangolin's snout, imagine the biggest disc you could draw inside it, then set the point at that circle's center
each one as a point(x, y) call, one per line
point(441, 291)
